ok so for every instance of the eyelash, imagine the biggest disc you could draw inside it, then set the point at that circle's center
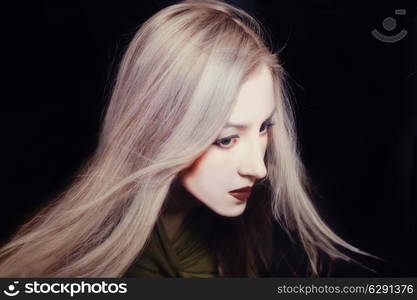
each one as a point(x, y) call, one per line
point(219, 141)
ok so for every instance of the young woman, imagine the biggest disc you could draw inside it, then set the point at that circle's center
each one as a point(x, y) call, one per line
point(197, 112)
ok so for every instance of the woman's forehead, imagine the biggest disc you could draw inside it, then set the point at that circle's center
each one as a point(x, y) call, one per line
point(255, 98)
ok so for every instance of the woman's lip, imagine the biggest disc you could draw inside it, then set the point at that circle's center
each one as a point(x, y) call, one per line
point(242, 190)
point(242, 196)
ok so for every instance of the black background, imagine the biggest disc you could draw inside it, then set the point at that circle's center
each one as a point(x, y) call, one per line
point(355, 100)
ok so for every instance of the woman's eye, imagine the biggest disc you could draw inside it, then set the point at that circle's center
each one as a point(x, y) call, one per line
point(227, 142)
point(266, 125)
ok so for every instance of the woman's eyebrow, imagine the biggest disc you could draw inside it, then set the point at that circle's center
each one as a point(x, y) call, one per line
point(242, 126)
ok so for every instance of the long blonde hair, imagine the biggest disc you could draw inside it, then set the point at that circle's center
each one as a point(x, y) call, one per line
point(174, 91)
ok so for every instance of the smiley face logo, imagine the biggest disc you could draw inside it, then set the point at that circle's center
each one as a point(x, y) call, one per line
point(11, 290)
point(389, 24)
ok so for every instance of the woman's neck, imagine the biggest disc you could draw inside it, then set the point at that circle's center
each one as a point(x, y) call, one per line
point(178, 205)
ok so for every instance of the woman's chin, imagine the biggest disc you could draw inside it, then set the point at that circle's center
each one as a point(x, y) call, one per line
point(230, 211)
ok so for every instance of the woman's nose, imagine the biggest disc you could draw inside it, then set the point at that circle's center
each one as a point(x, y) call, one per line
point(252, 163)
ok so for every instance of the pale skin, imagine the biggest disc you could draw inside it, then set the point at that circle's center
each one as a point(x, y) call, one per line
point(236, 162)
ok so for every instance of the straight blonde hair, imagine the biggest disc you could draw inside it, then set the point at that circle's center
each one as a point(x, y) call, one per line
point(175, 89)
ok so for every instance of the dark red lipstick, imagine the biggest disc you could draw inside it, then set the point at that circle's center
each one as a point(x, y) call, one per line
point(242, 194)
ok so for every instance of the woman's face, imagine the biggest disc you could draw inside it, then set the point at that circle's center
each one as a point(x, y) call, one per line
point(236, 159)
